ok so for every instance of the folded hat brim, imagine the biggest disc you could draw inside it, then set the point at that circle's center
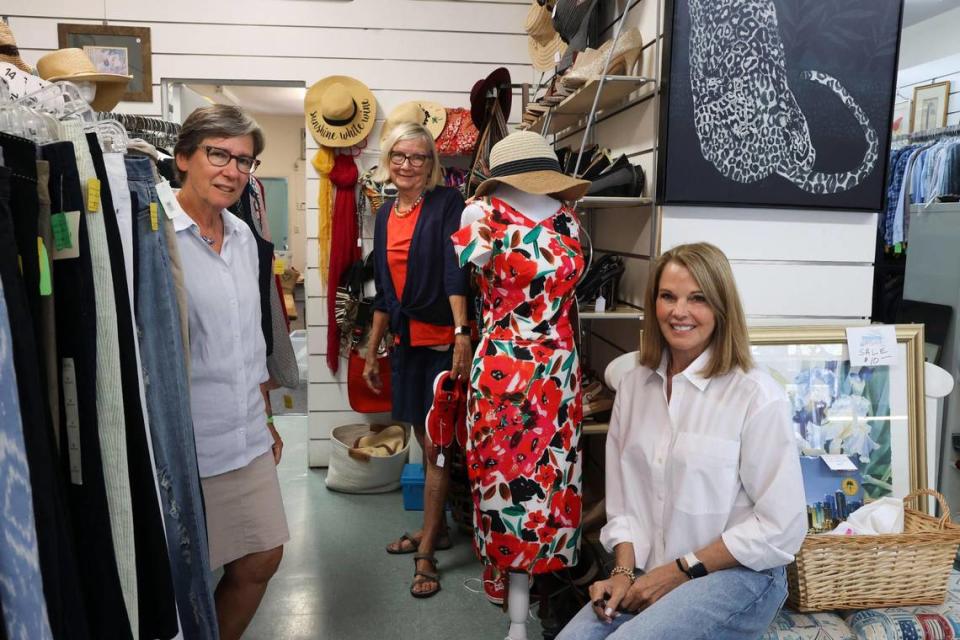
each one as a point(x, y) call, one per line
point(93, 77)
point(547, 183)
point(543, 56)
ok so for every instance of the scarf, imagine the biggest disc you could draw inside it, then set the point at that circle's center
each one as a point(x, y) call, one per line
point(343, 245)
point(323, 163)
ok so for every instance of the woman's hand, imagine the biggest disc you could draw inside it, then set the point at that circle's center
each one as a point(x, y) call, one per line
point(371, 372)
point(460, 369)
point(606, 595)
point(277, 445)
point(651, 586)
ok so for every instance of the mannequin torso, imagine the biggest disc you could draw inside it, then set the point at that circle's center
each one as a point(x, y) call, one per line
point(534, 206)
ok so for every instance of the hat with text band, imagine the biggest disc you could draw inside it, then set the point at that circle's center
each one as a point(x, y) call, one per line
point(543, 43)
point(8, 49)
point(340, 111)
point(526, 161)
point(431, 115)
point(75, 66)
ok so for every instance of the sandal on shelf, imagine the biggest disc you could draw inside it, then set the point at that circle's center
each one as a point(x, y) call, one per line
point(426, 575)
point(443, 543)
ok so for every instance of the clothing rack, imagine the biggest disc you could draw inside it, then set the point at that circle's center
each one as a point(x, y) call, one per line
point(930, 134)
point(160, 133)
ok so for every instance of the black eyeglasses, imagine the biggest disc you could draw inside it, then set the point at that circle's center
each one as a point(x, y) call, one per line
point(221, 157)
point(417, 160)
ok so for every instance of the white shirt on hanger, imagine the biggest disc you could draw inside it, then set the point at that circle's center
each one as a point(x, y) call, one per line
point(228, 355)
point(719, 459)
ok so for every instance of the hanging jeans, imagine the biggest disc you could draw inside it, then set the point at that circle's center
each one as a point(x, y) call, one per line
point(76, 320)
point(168, 406)
point(21, 587)
point(54, 533)
point(155, 598)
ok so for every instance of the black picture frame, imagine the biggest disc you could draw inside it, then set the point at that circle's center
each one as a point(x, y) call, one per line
point(136, 41)
point(748, 168)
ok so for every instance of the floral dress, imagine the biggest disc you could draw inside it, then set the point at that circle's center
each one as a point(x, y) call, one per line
point(524, 410)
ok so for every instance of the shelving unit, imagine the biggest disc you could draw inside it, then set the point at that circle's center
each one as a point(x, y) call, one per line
point(622, 312)
point(590, 203)
point(595, 428)
point(577, 105)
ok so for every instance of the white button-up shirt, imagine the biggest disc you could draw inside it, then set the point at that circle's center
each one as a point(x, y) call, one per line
point(228, 355)
point(718, 460)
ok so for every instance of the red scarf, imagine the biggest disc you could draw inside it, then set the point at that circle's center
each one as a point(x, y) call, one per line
point(343, 245)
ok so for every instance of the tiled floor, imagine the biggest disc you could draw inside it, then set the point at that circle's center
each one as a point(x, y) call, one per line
point(337, 583)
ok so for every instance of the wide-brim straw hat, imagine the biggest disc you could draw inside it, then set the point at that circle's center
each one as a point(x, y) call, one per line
point(75, 66)
point(8, 49)
point(543, 43)
point(526, 161)
point(431, 115)
point(340, 111)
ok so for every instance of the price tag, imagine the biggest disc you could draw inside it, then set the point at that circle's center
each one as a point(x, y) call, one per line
point(838, 462)
point(279, 266)
point(601, 305)
point(46, 281)
point(440, 460)
point(73, 419)
point(287, 401)
point(167, 199)
point(154, 223)
point(66, 227)
point(93, 195)
point(872, 346)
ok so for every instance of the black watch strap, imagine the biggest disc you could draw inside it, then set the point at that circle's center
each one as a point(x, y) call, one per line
point(462, 330)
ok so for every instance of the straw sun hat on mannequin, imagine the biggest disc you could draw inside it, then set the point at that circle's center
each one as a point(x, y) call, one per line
point(526, 161)
point(75, 66)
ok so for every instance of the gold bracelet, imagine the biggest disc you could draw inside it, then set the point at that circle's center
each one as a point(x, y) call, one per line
point(623, 571)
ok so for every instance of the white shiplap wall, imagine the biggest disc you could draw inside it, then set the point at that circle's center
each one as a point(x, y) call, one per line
point(401, 49)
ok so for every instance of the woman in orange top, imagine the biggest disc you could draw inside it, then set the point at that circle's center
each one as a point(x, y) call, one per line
point(422, 299)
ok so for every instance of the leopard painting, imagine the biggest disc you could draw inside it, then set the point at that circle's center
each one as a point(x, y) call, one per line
point(748, 120)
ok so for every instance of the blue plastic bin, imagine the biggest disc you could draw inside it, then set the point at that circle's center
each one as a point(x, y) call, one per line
point(411, 484)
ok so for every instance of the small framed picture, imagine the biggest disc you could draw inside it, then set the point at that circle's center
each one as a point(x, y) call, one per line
point(930, 104)
point(120, 50)
point(901, 118)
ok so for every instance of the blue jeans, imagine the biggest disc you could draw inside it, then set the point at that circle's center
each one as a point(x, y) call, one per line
point(733, 604)
point(168, 406)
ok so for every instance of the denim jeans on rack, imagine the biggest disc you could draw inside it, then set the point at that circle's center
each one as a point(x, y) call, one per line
point(168, 405)
point(76, 320)
point(155, 596)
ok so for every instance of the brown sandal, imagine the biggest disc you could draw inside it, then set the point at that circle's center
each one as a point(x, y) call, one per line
point(428, 577)
point(443, 543)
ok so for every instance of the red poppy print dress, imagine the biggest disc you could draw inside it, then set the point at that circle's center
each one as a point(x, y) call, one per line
point(524, 410)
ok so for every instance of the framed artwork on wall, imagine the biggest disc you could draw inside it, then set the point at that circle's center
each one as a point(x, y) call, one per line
point(123, 50)
point(901, 118)
point(930, 104)
point(778, 103)
point(873, 414)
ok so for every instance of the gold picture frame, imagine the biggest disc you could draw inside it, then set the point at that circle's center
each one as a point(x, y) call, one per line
point(893, 397)
point(929, 106)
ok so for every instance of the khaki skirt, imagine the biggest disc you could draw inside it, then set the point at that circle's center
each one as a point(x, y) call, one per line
point(244, 511)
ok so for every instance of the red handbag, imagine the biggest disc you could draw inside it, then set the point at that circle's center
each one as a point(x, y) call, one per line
point(459, 135)
point(362, 398)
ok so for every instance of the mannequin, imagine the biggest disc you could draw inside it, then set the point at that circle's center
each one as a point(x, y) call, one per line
point(538, 208)
point(88, 90)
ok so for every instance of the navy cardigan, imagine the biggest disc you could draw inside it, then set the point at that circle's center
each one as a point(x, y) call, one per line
point(433, 270)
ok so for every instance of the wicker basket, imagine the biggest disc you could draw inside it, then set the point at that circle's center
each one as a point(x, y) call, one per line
point(865, 572)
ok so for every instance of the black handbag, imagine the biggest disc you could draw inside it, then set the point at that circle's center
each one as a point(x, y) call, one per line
point(352, 309)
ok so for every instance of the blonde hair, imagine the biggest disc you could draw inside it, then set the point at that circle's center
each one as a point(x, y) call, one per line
point(409, 131)
point(730, 342)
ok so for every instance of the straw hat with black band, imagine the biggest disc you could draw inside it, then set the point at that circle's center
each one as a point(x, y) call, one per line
point(8, 49)
point(431, 115)
point(340, 110)
point(526, 161)
point(75, 66)
point(544, 43)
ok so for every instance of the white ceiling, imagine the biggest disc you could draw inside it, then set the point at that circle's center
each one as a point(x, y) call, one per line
point(919, 10)
point(275, 101)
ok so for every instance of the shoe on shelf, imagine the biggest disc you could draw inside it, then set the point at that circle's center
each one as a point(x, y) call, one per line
point(621, 180)
point(625, 60)
point(596, 399)
point(494, 586)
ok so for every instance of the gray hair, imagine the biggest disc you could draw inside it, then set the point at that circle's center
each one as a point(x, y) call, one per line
point(216, 121)
point(409, 131)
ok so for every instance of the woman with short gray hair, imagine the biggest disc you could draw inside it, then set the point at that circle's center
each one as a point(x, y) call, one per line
point(238, 447)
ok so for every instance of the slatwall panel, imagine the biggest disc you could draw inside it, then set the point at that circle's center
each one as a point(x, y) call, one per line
point(949, 73)
point(402, 49)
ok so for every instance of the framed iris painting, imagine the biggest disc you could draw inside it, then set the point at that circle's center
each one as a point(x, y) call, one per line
point(874, 415)
point(777, 103)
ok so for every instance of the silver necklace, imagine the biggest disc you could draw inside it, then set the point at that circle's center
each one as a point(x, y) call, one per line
point(207, 239)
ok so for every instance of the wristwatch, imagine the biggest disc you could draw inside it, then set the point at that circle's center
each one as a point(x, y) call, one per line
point(695, 568)
point(462, 330)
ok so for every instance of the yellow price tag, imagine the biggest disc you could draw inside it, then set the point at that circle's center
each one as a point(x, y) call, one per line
point(287, 401)
point(93, 195)
point(279, 266)
point(154, 224)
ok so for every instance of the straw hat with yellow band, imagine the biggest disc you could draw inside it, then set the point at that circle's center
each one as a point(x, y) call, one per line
point(340, 111)
point(544, 44)
point(75, 66)
point(431, 115)
point(526, 161)
point(9, 51)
